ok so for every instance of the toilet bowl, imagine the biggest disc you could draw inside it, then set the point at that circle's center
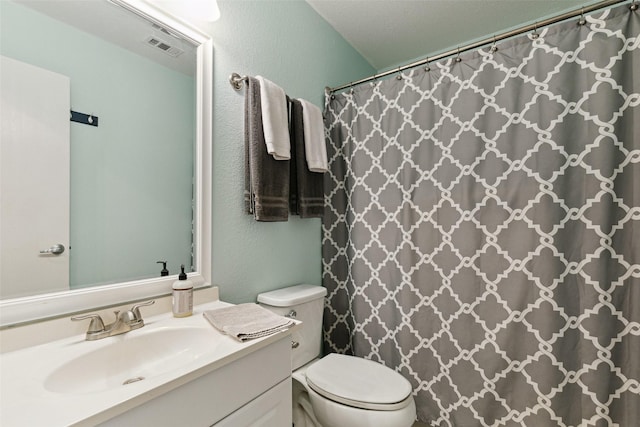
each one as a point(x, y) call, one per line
point(336, 390)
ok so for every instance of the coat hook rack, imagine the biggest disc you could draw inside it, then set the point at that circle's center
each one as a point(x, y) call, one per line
point(85, 119)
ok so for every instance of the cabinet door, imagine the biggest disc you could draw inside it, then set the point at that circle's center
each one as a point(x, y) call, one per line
point(271, 409)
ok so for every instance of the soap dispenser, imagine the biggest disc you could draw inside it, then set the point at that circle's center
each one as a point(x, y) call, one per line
point(182, 295)
point(164, 271)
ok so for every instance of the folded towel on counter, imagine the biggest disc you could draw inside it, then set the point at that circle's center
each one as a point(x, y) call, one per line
point(306, 192)
point(266, 193)
point(275, 119)
point(247, 321)
point(314, 143)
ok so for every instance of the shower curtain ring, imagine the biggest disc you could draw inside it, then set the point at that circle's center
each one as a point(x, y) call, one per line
point(458, 59)
point(328, 93)
point(582, 20)
point(399, 76)
point(535, 34)
point(428, 67)
point(375, 80)
point(634, 5)
point(494, 47)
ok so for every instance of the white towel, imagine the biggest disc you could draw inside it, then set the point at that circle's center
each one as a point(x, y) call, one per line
point(275, 119)
point(247, 321)
point(315, 147)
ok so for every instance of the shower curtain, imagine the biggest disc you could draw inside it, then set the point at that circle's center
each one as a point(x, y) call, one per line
point(482, 228)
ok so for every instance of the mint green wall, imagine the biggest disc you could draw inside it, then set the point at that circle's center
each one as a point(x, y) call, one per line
point(127, 168)
point(290, 44)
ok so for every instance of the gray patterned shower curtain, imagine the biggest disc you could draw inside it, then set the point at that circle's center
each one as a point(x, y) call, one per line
point(482, 229)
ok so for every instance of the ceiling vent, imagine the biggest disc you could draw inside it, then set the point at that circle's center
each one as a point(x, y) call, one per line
point(164, 46)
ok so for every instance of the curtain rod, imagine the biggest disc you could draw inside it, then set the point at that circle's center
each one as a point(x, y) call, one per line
point(531, 27)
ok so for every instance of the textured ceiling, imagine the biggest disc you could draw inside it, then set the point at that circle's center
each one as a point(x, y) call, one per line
point(390, 33)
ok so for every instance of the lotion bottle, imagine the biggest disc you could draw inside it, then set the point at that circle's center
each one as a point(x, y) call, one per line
point(182, 295)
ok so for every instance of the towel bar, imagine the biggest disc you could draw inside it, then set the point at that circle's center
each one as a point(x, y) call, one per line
point(236, 80)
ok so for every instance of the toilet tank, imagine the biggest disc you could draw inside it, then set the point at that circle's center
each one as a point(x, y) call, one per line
point(307, 301)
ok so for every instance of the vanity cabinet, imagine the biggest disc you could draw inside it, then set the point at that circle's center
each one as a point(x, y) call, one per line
point(270, 409)
point(253, 390)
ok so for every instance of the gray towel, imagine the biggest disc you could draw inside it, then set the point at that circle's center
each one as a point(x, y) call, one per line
point(266, 193)
point(247, 321)
point(306, 193)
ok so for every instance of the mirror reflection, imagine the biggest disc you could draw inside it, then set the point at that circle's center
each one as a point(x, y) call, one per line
point(117, 193)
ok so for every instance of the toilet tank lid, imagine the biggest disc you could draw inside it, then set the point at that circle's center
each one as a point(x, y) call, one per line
point(292, 295)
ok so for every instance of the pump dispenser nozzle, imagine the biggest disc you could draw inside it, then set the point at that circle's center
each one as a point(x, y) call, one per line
point(164, 271)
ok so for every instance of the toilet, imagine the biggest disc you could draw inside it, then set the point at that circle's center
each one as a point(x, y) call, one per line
point(336, 390)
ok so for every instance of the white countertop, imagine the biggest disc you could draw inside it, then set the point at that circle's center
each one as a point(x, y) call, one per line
point(26, 401)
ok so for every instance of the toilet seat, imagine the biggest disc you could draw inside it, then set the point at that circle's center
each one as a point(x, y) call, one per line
point(359, 383)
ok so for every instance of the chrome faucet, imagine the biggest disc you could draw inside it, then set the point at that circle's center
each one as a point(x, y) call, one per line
point(125, 322)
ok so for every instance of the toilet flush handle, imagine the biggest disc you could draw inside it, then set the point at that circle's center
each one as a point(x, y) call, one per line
point(292, 315)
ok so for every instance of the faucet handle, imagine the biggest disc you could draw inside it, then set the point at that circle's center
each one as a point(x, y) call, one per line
point(127, 317)
point(136, 309)
point(96, 325)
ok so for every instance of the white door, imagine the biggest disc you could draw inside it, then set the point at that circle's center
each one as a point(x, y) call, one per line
point(34, 179)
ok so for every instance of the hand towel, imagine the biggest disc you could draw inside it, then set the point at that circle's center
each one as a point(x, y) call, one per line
point(247, 321)
point(315, 147)
point(306, 192)
point(266, 193)
point(275, 119)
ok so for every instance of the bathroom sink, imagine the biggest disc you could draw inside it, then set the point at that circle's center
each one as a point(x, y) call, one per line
point(74, 382)
point(131, 358)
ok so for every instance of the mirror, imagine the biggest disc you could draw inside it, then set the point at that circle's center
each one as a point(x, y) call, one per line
point(152, 202)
